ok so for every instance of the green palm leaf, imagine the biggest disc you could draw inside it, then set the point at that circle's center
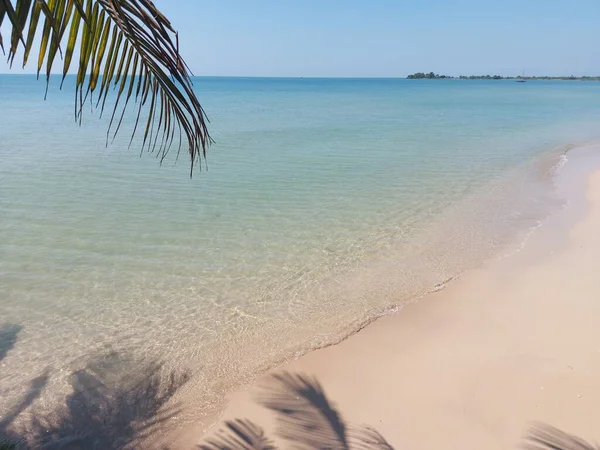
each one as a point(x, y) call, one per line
point(126, 45)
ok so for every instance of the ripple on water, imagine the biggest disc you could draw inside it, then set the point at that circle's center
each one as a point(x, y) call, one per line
point(322, 209)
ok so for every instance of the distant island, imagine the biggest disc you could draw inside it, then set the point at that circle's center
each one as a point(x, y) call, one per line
point(435, 76)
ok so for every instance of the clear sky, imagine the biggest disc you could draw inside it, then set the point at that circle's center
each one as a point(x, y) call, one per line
point(385, 38)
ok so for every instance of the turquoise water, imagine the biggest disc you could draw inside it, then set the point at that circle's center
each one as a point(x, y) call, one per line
point(327, 202)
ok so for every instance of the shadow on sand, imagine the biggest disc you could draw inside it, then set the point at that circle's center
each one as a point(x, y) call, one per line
point(116, 402)
point(8, 338)
point(306, 419)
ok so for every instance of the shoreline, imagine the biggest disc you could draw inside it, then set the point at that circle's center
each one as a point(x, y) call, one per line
point(354, 351)
point(342, 227)
point(538, 171)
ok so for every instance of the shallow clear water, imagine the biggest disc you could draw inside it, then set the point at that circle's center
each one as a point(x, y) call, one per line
point(326, 203)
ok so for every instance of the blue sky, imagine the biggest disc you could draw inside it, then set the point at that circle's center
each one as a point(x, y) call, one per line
point(385, 38)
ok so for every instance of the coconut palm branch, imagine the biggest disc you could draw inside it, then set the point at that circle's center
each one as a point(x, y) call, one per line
point(127, 46)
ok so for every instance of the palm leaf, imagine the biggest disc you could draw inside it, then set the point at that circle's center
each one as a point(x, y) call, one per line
point(305, 415)
point(126, 44)
point(239, 435)
point(546, 437)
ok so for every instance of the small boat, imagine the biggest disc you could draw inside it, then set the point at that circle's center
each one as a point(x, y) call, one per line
point(522, 79)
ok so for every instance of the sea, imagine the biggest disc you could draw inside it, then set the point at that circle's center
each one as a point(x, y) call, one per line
point(323, 204)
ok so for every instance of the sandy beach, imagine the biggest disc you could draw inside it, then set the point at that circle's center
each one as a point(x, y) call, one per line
point(475, 364)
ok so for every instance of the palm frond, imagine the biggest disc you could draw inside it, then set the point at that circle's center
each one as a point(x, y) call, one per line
point(546, 437)
point(305, 416)
point(124, 45)
point(239, 435)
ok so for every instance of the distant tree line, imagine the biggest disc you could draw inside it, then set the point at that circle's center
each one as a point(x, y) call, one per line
point(484, 77)
point(435, 76)
point(428, 76)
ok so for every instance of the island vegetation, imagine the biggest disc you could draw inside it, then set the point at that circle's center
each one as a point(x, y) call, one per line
point(428, 76)
point(435, 76)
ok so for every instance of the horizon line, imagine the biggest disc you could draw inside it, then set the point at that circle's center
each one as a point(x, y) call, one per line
point(344, 77)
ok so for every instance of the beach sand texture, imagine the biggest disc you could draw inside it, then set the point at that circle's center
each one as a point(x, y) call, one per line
point(477, 363)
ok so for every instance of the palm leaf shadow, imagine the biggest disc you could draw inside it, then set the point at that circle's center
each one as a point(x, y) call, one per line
point(10, 445)
point(36, 386)
point(546, 437)
point(8, 438)
point(239, 434)
point(367, 438)
point(8, 338)
point(117, 402)
point(306, 419)
point(305, 415)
